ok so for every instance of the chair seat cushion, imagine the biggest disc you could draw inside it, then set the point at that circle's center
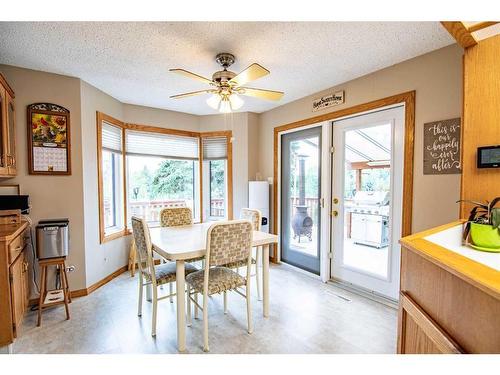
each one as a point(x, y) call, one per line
point(239, 263)
point(220, 280)
point(165, 273)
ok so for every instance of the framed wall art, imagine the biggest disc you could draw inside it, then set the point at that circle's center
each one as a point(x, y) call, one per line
point(442, 147)
point(49, 146)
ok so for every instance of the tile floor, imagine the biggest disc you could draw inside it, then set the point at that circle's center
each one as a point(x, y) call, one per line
point(307, 316)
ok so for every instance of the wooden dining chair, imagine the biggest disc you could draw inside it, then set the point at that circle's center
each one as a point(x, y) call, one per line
point(149, 274)
point(255, 218)
point(227, 242)
point(175, 217)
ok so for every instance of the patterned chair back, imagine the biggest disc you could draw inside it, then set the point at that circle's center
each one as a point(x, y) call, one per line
point(176, 216)
point(228, 242)
point(253, 215)
point(143, 244)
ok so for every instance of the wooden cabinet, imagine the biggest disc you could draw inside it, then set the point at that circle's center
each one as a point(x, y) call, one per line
point(19, 289)
point(14, 279)
point(450, 297)
point(7, 130)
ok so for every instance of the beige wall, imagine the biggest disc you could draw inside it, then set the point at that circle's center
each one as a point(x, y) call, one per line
point(136, 114)
point(100, 259)
point(51, 196)
point(253, 145)
point(437, 79)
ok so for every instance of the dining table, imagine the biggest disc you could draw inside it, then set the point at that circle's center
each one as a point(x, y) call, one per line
point(182, 243)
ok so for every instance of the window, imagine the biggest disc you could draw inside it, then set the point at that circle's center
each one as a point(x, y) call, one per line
point(217, 170)
point(111, 178)
point(143, 169)
point(216, 165)
point(162, 171)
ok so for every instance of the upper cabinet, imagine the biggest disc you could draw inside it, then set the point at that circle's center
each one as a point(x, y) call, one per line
point(7, 130)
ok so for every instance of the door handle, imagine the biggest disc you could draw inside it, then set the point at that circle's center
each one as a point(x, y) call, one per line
point(335, 213)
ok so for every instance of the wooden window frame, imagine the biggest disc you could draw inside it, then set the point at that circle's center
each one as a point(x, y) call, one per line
point(100, 117)
point(229, 135)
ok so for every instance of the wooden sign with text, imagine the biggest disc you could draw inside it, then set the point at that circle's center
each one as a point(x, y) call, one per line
point(328, 101)
point(442, 147)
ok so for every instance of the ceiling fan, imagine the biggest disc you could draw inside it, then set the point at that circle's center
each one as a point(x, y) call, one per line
point(226, 86)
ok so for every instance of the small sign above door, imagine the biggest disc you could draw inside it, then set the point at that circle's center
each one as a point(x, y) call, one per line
point(442, 147)
point(328, 101)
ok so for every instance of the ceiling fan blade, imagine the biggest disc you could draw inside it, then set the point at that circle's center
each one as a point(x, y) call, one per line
point(193, 93)
point(251, 73)
point(261, 93)
point(191, 75)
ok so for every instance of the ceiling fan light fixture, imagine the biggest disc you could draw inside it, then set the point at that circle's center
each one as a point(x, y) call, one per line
point(214, 101)
point(236, 102)
point(227, 86)
point(225, 106)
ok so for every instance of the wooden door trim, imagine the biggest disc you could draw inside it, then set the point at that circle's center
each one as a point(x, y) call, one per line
point(406, 98)
point(458, 31)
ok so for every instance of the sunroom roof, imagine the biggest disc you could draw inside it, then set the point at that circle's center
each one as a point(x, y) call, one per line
point(368, 144)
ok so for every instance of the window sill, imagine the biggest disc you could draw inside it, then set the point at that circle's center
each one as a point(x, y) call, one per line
point(115, 235)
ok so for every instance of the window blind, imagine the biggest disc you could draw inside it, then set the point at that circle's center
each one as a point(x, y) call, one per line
point(214, 148)
point(163, 145)
point(111, 137)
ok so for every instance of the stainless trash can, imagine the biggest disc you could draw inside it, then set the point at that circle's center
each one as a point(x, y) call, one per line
point(52, 238)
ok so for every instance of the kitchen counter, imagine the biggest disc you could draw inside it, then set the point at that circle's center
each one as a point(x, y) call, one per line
point(450, 294)
point(443, 246)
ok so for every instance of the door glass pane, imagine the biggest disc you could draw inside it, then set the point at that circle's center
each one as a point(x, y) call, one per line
point(304, 195)
point(367, 182)
point(300, 198)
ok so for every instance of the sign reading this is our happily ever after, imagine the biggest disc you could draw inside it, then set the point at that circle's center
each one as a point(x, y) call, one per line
point(328, 101)
point(442, 147)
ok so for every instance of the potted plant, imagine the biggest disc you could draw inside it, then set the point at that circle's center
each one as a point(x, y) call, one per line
point(482, 229)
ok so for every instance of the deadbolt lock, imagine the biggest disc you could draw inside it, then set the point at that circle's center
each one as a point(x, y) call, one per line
point(335, 200)
point(335, 213)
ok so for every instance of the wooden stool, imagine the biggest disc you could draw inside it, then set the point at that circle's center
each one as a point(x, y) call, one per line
point(132, 258)
point(49, 298)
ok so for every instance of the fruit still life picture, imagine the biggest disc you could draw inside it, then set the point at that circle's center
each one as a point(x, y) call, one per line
point(48, 130)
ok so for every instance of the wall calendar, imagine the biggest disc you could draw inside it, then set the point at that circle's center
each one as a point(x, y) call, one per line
point(49, 145)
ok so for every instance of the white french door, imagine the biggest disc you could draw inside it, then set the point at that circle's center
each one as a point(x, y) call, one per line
point(367, 192)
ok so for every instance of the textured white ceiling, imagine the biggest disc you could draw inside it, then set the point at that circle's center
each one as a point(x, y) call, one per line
point(130, 60)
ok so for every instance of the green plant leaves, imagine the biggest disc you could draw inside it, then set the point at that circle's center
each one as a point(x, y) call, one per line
point(495, 217)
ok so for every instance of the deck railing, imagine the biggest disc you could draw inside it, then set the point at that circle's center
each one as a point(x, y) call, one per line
point(150, 210)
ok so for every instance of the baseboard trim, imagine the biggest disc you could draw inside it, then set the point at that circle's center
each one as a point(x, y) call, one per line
point(86, 291)
point(106, 280)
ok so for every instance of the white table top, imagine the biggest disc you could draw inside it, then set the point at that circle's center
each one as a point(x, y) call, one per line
point(451, 239)
point(187, 242)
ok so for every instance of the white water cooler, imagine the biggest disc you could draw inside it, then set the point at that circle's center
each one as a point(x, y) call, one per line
point(258, 198)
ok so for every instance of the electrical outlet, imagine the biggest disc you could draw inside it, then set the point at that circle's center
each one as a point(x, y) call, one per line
point(70, 268)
